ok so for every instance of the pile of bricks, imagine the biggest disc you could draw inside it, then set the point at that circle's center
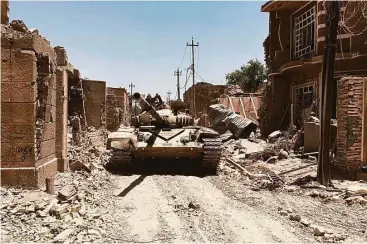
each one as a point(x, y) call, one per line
point(350, 118)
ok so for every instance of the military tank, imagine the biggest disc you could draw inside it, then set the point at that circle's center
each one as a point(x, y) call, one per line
point(160, 133)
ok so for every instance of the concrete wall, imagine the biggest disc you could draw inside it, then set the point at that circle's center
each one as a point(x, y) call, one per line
point(28, 109)
point(350, 114)
point(95, 102)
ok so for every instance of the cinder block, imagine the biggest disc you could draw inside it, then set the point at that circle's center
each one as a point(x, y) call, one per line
point(61, 56)
point(63, 164)
point(47, 170)
point(30, 176)
point(21, 177)
point(18, 113)
point(29, 41)
point(18, 65)
point(50, 114)
point(18, 92)
point(47, 148)
point(49, 131)
point(18, 152)
point(52, 91)
point(18, 132)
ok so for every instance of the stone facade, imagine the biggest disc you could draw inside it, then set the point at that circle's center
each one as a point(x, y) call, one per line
point(350, 113)
point(95, 102)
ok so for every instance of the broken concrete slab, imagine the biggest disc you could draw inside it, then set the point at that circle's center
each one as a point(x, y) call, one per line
point(66, 193)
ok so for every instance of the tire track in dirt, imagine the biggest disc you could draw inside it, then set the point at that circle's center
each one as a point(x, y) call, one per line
point(221, 219)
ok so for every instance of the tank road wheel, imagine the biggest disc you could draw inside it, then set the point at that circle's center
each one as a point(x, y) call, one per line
point(212, 155)
point(121, 160)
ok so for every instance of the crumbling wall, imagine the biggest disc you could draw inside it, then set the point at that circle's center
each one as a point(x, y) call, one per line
point(63, 73)
point(76, 106)
point(28, 111)
point(205, 93)
point(116, 108)
point(350, 122)
point(95, 102)
point(4, 12)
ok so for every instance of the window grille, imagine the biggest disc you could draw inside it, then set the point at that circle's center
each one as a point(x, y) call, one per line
point(304, 33)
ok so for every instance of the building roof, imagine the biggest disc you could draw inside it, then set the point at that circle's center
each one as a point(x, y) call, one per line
point(283, 5)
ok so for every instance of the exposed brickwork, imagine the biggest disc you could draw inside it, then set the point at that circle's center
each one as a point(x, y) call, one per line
point(4, 12)
point(349, 115)
point(205, 93)
point(28, 111)
point(62, 118)
point(116, 100)
point(95, 102)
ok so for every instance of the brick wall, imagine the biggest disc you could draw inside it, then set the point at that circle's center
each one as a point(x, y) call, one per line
point(95, 102)
point(350, 118)
point(205, 92)
point(118, 96)
point(4, 12)
point(28, 109)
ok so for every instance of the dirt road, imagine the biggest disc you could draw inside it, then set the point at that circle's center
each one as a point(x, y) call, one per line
point(156, 208)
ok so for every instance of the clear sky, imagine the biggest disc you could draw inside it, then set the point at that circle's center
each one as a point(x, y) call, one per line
point(144, 42)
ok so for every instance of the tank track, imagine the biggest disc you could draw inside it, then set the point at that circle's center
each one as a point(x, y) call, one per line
point(121, 159)
point(212, 154)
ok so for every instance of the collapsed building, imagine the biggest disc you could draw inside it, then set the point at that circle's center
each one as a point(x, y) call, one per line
point(294, 52)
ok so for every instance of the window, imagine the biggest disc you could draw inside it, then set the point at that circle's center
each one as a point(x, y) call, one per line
point(304, 97)
point(304, 33)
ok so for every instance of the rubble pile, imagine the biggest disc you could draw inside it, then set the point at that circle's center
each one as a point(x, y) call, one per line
point(234, 90)
point(74, 214)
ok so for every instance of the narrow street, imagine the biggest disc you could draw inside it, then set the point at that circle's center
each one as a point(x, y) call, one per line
point(181, 127)
point(188, 209)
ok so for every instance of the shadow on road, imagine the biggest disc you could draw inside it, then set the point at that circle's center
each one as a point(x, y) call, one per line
point(155, 167)
point(132, 185)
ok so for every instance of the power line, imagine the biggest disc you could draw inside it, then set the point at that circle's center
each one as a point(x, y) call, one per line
point(178, 73)
point(131, 85)
point(169, 96)
point(183, 56)
point(192, 45)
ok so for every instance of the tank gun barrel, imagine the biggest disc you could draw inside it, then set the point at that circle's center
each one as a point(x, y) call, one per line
point(146, 106)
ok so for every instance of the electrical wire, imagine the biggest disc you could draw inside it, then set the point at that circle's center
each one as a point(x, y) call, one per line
point(197, 60)
point(183, 57)
point(200, 77)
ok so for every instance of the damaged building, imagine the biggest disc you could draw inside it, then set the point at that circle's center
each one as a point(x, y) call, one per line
point(41, 93)
point(205, 94)
point(294, 52)
point(95, 102)
point(28, 111)
point(117, 103)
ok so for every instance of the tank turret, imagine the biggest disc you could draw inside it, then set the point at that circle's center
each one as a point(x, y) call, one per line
point(155, 112)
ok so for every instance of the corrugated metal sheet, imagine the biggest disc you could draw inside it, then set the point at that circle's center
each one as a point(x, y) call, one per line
point(239, 126)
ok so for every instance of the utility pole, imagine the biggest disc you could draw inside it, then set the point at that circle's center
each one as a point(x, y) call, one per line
point(327, 82)
point(169, 97)
point(178, 73)
point(192, 45)
point(131, 85)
